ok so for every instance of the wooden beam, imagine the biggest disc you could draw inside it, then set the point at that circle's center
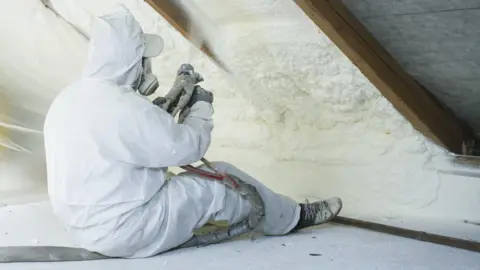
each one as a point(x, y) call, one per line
point(417, 235)
point(177, 17)
point(417, 105)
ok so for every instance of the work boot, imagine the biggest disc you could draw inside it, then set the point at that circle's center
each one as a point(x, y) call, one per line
point(316, 213)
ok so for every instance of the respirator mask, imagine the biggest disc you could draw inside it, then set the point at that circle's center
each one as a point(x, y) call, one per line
point(147, 83)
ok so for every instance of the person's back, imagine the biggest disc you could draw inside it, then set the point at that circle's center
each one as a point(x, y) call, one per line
point(85, 175)
point(94, 180)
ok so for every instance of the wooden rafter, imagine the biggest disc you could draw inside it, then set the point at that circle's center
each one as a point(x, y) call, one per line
point(176, 16)
point(417, 105)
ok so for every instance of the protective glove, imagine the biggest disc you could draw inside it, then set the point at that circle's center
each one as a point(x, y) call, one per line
point(199, 94)
point(181, 92)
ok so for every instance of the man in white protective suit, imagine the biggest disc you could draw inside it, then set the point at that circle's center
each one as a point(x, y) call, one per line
point(108, 149)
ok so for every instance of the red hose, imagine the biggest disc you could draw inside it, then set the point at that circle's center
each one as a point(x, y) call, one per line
point(215, 176)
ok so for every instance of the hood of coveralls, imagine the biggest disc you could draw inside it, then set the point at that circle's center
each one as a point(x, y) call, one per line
point(116, 48)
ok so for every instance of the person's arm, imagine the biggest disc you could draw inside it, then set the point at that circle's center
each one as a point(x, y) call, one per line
point(157, 141)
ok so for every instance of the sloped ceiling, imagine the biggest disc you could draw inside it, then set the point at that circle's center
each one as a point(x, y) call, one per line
point(435, 41)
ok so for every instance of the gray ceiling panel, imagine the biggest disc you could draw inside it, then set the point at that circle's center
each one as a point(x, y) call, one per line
point(436, 41)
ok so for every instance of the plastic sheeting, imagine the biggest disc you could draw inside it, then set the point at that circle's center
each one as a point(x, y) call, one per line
point(39, 54)
point(21, 147)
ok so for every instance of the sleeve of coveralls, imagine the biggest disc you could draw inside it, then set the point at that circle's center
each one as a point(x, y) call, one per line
point(162, 142)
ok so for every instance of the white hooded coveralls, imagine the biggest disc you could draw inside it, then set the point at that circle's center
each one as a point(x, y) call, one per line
point(108, 149)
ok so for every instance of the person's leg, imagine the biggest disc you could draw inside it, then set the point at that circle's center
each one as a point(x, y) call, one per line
point(189, 201)
point(281, 212)
point(277, 206)
point(310, 214)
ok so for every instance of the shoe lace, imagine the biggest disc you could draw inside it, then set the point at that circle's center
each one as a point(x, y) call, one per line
point(312, 210)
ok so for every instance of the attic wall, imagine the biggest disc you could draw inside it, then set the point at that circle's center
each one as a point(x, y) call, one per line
point(296, 113)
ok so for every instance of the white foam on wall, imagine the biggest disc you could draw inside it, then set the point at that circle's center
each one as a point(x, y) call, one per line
point(296, 113)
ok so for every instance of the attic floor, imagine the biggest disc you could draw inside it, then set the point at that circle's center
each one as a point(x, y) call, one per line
point(325, 247)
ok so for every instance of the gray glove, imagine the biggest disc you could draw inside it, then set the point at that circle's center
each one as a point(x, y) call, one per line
point(181, 92)
point(199, 94)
